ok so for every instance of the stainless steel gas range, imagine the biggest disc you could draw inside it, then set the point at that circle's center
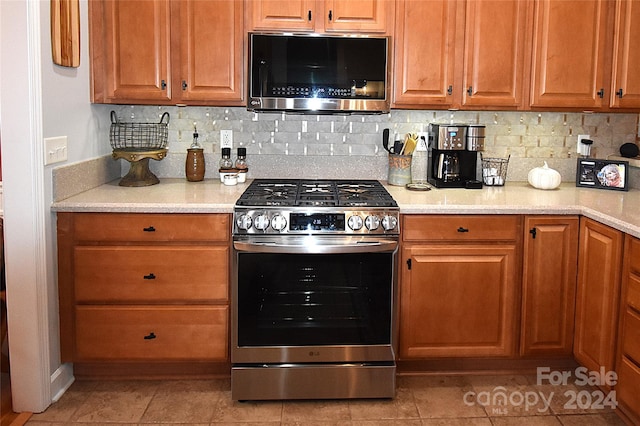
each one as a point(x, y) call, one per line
point(314, 290)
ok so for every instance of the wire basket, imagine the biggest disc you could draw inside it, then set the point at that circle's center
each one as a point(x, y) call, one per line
point(139, 136)
point(494, 170)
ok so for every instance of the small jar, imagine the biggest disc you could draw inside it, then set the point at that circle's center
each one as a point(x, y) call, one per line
point(241, 165)
point(226, 164)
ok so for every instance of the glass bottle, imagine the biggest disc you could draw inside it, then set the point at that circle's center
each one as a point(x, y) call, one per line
point(419, 162)
point(195, 165)
point(241, 164)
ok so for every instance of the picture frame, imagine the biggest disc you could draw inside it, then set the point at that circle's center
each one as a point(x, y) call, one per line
point(603, 174)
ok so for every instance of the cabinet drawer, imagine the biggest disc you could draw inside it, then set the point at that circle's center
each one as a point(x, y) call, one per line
point(628, 387)
point(144, 333)
point(460, 228)
point(631, 335)
point(150, 273)
point(151, 227)
point(633, 291)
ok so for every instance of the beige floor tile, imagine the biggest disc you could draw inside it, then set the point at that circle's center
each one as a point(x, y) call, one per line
point(386, 422)
point(63, 409)
point(229, 411)
point(402, 406)
point(477, 421)
point(604, 419)
point(430, 381)
point(306, 411)
point(526, 421)
point(445, 402)
point(571, 399)
point(124, 403)
point(183, 402)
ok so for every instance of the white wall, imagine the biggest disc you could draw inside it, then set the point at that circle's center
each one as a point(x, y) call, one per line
point(38, 100)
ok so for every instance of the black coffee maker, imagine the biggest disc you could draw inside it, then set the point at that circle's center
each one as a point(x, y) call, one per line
point(453, 155)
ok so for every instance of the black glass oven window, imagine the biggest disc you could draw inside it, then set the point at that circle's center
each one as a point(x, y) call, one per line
point(318, 67)
point(302, 299)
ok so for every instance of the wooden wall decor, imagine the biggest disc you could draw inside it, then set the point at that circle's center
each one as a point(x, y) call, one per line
point(65, 32)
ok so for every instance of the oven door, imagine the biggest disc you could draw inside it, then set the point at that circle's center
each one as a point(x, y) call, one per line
point(313, 299)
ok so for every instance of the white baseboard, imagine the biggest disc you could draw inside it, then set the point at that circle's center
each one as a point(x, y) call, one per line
point(61, 380)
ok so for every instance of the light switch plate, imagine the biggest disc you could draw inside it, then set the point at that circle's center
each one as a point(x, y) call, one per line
point(55, 150)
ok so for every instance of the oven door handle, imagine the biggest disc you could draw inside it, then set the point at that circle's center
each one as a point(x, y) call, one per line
point(301, 247)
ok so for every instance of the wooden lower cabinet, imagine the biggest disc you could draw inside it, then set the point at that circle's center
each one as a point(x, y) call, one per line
point(150, 288)
point(151, 333)
point(549, 285)
point(597, 295)
point(459, 298)
point(628, 360)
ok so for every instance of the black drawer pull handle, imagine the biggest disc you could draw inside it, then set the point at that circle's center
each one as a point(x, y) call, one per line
point(149, 229)
point(151, 276)
point(150, 336)
point(461, 229)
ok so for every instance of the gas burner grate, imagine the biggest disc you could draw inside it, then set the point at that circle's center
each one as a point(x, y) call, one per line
point(316, 193)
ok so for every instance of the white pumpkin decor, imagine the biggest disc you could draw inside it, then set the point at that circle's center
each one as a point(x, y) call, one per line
point(544, 177)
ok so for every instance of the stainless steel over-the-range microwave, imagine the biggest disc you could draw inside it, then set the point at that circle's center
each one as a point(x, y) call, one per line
point(318, 74)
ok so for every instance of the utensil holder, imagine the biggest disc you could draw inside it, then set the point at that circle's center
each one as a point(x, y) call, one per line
point(494, 170)
point(399, 170)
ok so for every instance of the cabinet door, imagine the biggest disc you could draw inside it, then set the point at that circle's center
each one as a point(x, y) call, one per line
point(370, 16)
point(130, 50)
point(597, 295)
point(210, 36)
point(549, 285)
point(628, 366)
point(625, 92)
point(458, 301)
point(496, 33)
point(282, 14)
point(569, 53)
point(424, 53)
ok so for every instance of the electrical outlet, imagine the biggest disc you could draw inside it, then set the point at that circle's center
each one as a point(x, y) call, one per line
point(226, 138)
point(580, 147)
point(55, 150)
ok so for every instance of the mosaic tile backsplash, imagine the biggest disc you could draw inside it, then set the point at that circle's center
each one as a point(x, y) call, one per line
point(350, 146)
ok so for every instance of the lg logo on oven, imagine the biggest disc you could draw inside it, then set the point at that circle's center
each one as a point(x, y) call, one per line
point(314, 353)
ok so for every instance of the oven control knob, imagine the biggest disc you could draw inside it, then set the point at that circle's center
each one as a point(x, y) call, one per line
point(244, 222)
point(372, 223)
point(278, 222)
point(355, 222)
point(261, 222)
point(389, 223)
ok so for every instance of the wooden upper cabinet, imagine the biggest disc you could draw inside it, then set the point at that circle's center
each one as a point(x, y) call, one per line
point(369, 16)
point(210, 55)
point(282, 14)
point(167, 52)
point(359, 16)
point(424, 52)
point(130, 50)
point(569, 46)
point(625, 90)
point(496, 45)
point(462, 54)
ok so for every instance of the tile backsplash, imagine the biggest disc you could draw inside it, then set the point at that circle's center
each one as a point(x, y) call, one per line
point(350, 146)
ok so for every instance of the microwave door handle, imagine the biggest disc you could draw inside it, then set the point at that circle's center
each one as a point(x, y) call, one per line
point(376, 246)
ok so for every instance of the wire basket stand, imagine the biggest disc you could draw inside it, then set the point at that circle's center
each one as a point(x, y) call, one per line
point(137, 143)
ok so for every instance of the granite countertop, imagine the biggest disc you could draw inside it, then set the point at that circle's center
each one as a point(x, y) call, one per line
point(620, 210)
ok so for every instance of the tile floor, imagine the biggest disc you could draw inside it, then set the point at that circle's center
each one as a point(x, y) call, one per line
point(420, 400)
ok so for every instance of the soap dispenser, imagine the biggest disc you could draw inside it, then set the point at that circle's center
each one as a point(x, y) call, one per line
point(195, 166)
